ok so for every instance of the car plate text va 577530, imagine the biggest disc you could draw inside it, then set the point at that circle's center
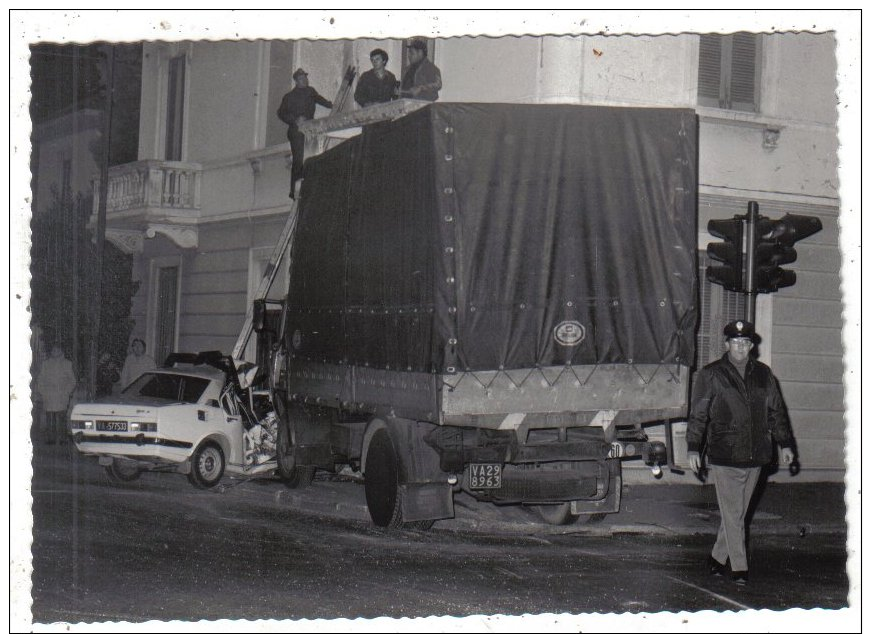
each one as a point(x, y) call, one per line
point(485, 476)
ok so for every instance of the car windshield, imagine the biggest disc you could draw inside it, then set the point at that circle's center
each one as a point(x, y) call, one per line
point(169, 387)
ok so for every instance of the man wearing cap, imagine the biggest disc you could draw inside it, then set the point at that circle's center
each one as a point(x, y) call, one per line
point(422, 79)
point(297, 106)
point(736, 409)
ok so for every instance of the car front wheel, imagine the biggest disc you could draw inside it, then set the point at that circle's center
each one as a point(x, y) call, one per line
point(207, 465)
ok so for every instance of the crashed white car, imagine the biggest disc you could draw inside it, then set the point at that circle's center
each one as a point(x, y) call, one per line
point(194, 417)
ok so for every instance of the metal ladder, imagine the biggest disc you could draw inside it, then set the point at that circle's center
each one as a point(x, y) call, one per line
point(268, 278)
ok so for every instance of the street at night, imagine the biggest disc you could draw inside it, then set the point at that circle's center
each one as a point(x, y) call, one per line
point(159, 549)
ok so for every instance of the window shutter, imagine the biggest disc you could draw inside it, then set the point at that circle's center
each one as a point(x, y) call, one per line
point(728, 75)
point(709, 70)
point(743, 82)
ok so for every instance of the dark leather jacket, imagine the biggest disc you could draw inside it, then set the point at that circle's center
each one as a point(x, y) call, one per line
point(734, 418)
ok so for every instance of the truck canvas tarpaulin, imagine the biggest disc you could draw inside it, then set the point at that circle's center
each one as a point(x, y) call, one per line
point(459, 237)
point(493, 298)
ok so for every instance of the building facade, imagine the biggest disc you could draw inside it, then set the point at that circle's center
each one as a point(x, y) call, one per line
point(203, 206)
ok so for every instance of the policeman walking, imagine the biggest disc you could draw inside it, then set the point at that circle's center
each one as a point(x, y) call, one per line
point(736, 410)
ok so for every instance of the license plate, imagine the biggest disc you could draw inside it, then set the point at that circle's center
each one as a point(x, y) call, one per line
point(485, 476)
point(111, 425)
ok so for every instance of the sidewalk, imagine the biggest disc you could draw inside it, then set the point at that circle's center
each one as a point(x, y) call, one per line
point(655, 509)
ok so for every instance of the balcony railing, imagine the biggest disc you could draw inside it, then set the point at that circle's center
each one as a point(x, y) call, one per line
point(151, 184)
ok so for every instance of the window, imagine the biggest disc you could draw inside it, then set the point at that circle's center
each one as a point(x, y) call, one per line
point(718, 307)
point(166, 312)
point(175, 108)
point(729, 71)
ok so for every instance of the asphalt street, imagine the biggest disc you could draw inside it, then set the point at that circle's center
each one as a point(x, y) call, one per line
point(159, 549)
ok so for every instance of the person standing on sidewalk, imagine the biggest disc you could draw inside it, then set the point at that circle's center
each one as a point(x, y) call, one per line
point(735, 410)
point(55, 384)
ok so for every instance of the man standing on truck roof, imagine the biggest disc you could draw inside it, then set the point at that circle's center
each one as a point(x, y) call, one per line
point(377, 85)
point(422, 79)
point(736, 409)
point(296, 107)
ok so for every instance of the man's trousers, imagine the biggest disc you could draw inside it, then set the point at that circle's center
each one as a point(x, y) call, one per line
point(735, 486)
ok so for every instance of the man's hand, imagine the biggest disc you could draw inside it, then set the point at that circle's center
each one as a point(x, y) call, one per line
point(787, 456)
point(695, 461)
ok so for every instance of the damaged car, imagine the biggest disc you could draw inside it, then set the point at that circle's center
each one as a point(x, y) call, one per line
point(199, 415)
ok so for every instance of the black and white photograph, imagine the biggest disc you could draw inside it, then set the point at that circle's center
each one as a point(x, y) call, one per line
point(440, 320)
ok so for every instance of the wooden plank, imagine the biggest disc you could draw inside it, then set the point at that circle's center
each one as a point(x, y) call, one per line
point(818, 425)
point(792, 311)
point(810, 368)
point(807, 340)
point(213, 325)
point(220, 261)
point(218, 282)
point(212, 304)
point(820, 397)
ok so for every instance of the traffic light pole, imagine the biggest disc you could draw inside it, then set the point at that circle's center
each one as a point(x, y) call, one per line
point(750, 263)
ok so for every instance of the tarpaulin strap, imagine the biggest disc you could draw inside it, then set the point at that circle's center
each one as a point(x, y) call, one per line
point(522, 381)
point(454, 386)
point(645, 381)
point(487, 385)
point(547, 380)
point(584, 382)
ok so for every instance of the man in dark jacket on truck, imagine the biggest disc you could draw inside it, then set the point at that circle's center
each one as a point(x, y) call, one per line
point(297, 106)
point(422, 79)
point(736, 408)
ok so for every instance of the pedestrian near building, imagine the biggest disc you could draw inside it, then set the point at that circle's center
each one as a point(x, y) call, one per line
point(55, 384)
point(296, 107)
point(377, 85)
point(136, 363)
point(736, 410)
point(422, 79)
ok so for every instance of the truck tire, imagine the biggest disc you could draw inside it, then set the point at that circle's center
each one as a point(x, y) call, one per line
point(293, 476)
point(207, 465)
point(381, 481)
point(561, 515)
point(121, 471)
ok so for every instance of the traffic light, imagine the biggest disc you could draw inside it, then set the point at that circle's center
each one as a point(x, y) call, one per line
point(774, 248)
point(730, 274)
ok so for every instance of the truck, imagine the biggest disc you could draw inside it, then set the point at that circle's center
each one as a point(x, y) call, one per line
point(489, 298)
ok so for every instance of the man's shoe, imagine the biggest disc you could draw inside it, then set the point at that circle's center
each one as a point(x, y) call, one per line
point(740, 578)
point(715, 567)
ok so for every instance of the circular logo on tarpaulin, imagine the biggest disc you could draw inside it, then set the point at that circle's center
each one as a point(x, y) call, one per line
point(297, 339)
point(569, 333)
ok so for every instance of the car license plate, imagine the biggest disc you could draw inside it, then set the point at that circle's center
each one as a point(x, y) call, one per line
point(485, 476)
point(111, 425)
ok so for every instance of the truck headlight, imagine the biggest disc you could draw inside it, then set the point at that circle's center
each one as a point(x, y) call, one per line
point(134, 426)
point(89, 424)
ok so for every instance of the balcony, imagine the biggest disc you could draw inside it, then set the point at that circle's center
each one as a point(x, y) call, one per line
point(150, 197)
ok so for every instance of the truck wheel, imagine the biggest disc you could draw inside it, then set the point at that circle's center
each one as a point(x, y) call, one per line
point(207, 465)
point(381, 480)
point(294, 477)
point(561, 515)
point(121, 471)
point(558, 514)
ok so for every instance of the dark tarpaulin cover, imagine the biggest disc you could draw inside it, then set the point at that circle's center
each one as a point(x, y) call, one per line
point(500, 236)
